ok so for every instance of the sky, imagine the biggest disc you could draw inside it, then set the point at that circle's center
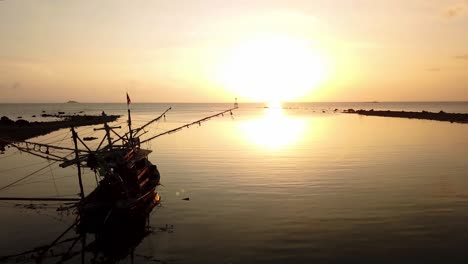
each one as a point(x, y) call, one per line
point(214, 51)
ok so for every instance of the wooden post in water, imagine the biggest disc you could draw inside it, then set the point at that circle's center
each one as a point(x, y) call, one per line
point(77, 158)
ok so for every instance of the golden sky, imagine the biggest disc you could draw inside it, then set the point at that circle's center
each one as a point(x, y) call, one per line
point(214, 50)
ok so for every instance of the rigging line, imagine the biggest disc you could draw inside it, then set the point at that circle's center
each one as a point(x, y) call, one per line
point(34, 182)
point(42, 254)
point(66, 195)
point(191, 124)
point(86, 134)
point(100, 144)
point(25, 177)
point(96, 177)
point(61, 140)
point(23, 166)
point(34, 154)
point(41, 145)
point(53, 180)
point(45, 155)
point(84, 144)
point(120, 123)
point(51, 135)
point(29, 175)
point(9, 155)
point(68, 256)
point(31, 182)
point(153, 120)
point(85, 128)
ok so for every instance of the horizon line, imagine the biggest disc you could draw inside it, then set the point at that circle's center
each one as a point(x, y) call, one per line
point(371, 102)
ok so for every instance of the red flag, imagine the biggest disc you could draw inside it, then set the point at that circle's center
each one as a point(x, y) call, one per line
point(128, 99)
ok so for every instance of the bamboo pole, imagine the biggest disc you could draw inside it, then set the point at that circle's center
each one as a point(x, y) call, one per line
point(187, 125)
point(78, 162)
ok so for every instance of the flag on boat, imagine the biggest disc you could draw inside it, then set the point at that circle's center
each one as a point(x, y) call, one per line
point(128, 99)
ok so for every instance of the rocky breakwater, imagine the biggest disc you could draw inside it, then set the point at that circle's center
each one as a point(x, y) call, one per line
point(440, 116)
point(21, 129)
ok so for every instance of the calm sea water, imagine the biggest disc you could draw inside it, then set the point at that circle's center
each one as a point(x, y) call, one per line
point(295, 185)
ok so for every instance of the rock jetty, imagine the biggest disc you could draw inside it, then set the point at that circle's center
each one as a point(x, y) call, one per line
point(21, 129)
point(440, 116)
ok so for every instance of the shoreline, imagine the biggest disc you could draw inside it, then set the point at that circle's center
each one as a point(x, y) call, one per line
point(425, 115)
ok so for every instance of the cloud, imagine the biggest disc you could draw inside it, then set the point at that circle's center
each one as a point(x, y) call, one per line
point(462, 57)
point(433, 69)
point(454, 11)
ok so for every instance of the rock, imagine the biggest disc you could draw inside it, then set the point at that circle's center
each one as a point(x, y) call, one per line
point(89, 138)
point(22, 122)
point(6, 121)
point(440, 116)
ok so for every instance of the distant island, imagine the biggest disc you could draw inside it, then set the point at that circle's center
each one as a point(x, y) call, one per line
point(72, 102)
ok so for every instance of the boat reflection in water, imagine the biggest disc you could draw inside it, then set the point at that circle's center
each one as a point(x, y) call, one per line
point(81, 243)
point(274, 130)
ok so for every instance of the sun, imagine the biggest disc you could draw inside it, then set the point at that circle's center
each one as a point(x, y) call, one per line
point(275, 130)
point(272, 69)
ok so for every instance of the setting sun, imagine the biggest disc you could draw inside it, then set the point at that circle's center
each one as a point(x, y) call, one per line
point(272, 69)
point(275, 130)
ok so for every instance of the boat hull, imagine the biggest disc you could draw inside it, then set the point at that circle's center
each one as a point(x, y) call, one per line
point(104, 217)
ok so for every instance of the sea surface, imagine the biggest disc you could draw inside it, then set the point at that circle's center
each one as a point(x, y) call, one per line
point(302, 183)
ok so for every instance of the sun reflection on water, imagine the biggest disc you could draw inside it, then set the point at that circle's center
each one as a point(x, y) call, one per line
point(275, 130)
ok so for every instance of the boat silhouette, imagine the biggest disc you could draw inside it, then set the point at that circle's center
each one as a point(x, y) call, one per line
point(126, 191)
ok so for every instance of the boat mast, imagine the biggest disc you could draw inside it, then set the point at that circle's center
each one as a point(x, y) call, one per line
point(78, 162)
point(129, 120)
point(130, 126)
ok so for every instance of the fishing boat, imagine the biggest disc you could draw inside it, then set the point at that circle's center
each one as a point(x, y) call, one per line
point(126, 179)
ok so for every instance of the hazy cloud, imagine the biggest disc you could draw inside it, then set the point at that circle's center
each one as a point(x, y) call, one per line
point(454, 11)
point(462, 57)
point(433, 69)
